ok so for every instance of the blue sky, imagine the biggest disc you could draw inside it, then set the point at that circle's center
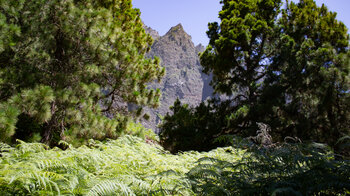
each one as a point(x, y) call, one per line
point(194, 15)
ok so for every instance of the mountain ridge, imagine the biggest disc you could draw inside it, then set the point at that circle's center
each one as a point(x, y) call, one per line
point(184, 78)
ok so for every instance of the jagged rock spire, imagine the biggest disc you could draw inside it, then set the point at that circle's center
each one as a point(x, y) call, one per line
point(184, 79)
point(154, 34)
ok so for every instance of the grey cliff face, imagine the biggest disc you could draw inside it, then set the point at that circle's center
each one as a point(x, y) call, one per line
point(184, 78)
point(208, 90)
point(153, 33)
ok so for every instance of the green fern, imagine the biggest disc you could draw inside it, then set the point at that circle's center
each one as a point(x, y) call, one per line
point(290, 169)
point(128, 165)
point(131, 166)
point(110, 188)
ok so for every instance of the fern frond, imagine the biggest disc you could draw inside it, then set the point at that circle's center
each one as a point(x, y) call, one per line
point(110, 188)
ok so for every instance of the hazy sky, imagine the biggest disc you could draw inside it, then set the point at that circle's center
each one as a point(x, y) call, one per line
point(194, 15)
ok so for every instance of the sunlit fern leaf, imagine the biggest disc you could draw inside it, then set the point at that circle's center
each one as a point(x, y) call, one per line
point(134, 182)
point(110, 188)
point(30, 147)
point(65, 144)
point(48, 164)
point(45, 181)
point(167, 173)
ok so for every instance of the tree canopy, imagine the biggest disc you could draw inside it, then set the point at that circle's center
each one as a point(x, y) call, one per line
point(65, 64)
point(286, 64)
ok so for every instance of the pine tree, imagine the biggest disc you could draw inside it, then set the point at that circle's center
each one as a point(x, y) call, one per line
point(61, 60)
point(288, 67)
point(311, 69)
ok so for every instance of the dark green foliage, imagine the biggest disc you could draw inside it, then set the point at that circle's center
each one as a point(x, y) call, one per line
point(126, 166)
point(287, 67)
point(27, 129)
point(311, 67)
point(289, 169)
point(132, 166)
point(189, 128)
point(61, 60)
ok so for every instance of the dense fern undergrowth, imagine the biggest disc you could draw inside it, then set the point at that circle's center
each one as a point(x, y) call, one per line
point(126, 166)
point(136, 165)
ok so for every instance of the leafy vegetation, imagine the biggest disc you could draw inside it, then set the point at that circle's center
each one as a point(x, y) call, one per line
point(69, 68)
point(290, 169)
point(189, 128)
point(127, 166)
point(286, 67)
point(267, 168)
point(61, 60)
point(134, 166)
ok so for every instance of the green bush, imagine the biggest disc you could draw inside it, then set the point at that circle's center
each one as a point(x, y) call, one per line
point(287, 169)
point(194, 128)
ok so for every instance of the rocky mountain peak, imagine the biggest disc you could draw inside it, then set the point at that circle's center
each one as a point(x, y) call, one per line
point(200, 48)
point(178, 35)
point(177, 29)
point(183, 79)
point(153, 33)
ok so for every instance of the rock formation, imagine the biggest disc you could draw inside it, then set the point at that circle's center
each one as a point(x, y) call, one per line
point(184, 78)
point(153, 33)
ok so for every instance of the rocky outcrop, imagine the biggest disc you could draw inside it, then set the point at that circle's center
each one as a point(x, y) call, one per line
point(153, 33)
point(184, 78)
point(208, 90)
